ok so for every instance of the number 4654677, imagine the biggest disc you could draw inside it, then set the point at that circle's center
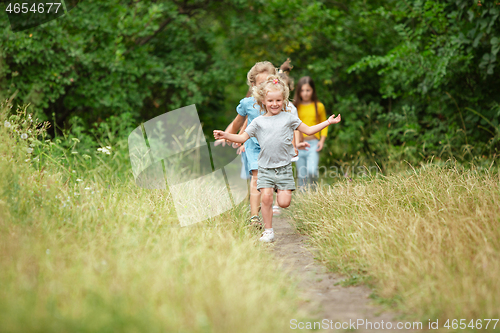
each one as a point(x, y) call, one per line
point(35, 8)
point(477, 324)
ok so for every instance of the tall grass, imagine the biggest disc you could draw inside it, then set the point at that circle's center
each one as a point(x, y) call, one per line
point(428, 239)
point(84, 252)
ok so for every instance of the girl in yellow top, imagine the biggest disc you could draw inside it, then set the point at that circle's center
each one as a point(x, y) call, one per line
point(311, 112)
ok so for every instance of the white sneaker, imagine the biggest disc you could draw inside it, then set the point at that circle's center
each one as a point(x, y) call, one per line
point(267, 236)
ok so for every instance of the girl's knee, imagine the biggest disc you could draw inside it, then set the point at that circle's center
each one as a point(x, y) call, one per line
point(284, 203)
point(267, 199)
point(284, 199)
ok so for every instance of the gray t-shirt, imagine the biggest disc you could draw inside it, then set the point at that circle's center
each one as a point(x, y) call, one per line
point(275, 135)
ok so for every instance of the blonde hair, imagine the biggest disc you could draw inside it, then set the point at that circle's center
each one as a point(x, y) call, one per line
point(259, 68)
point(272, 83)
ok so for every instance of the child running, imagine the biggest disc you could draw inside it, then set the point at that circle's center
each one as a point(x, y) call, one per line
point(274, 132)
point(298, 138)
point(249, 110)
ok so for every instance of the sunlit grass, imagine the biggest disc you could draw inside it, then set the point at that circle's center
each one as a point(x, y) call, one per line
point(79, 252)
point(428, 239)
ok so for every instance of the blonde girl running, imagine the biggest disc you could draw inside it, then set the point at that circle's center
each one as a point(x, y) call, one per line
point(274, 132)
point(249, 110)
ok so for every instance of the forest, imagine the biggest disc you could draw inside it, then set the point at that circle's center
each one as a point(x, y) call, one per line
point(413, 80)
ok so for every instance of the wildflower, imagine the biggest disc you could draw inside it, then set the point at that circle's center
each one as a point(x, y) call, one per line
point(105, 150)
point(7, 124)
point(79, 180)
point(29, 150)
point(24, 136)
point(87, 188)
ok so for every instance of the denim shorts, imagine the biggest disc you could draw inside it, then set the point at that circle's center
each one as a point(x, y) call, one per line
point(280, 178)
point(252, 151)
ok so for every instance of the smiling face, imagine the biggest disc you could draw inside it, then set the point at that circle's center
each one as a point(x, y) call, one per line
point(306, 93)
point(273, 102)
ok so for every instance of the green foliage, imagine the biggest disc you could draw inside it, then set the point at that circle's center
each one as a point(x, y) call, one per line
point(405, 75)
point(106, 58)
point(442, 67)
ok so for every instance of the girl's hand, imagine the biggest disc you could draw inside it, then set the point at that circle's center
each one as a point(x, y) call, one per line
point(236, 145)
point(296, 152)
point(303, 145)
point(320, 145)
point(240, 150)
point(334, 120)
point(220, 142)
point(219, 134)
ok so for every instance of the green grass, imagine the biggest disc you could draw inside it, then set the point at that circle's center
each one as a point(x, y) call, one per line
point(104, 255)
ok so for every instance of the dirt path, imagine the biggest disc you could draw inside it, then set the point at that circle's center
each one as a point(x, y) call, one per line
point(322, 298)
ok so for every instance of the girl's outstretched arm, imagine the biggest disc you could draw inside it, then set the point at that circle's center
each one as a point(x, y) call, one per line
point(240, 138)
point(238, 122)
point(316, 128)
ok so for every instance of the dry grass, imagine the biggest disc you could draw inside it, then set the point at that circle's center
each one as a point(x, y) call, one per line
point(428, 240)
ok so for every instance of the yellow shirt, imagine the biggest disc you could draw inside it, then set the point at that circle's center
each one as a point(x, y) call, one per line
point(307, 114)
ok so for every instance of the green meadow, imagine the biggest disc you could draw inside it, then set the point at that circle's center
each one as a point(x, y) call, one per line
point(87, 251)
point(413, 212)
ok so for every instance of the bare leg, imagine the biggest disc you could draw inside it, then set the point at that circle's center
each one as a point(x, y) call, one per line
point(254, 195)
point(284, 198)
point(276, 208)
point(267, 207)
